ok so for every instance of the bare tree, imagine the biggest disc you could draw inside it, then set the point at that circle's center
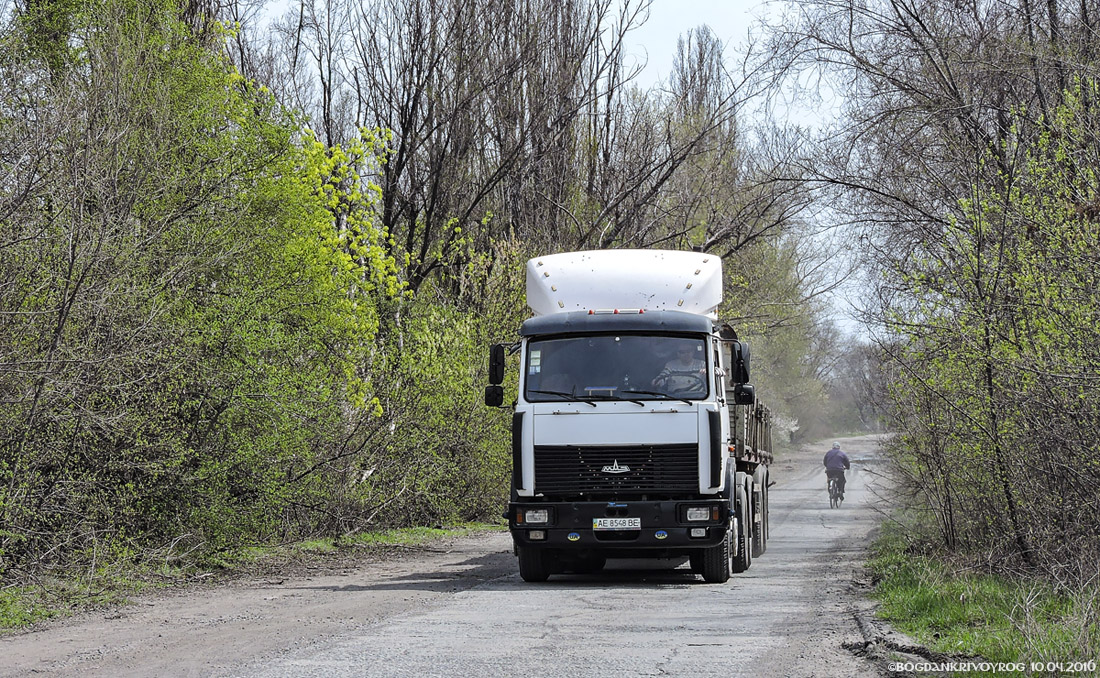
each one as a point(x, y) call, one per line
point(967, 125)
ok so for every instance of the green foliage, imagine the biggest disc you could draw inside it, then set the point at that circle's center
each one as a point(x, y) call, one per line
point(998, 425)
point(20, 607)
point(765, 301)
point(48, 27)
point(443, 457)
point(190, 304)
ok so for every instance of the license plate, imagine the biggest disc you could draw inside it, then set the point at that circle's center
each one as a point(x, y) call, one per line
point(616, 523)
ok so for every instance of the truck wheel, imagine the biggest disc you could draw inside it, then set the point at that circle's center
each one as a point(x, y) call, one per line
point(766, 522)
point(760, 533)
point(717, 561)
point(533, 564)
point(743, 558)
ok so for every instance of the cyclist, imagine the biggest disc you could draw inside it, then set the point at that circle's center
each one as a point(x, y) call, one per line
point(836, 462)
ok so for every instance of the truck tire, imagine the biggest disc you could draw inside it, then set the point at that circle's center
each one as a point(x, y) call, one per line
point(760, 531)
point(766, 522)
point(533, 564)
point(742, 560)
point(717, 561)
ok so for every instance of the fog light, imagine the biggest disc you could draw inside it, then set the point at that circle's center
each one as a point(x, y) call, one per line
point(698, 513)
point(537, 516)
point(698, 532)
point(537, 535)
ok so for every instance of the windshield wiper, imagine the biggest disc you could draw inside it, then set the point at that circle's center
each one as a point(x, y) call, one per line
point(563, 394)
point(660, 393)
point(617, 398)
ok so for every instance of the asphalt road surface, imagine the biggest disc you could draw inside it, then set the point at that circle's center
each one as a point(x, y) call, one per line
point(460, 609)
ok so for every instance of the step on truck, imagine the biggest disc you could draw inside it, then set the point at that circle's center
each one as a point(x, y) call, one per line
point(635, 430)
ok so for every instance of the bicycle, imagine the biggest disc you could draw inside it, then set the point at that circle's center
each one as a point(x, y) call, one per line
point(834, 493)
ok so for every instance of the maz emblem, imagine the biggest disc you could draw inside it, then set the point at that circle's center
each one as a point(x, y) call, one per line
point(615, 468)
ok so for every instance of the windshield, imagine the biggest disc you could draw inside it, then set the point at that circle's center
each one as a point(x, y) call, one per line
point(616, 367)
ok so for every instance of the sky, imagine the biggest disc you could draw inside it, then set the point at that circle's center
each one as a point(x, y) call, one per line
point(654, 43)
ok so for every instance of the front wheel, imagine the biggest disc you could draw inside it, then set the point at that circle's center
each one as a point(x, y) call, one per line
point(717, 562)
point(534, 566)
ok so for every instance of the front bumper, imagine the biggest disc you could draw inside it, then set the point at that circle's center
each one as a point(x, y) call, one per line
point(664, 526)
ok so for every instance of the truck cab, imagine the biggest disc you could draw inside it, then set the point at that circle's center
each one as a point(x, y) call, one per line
point(623, 444)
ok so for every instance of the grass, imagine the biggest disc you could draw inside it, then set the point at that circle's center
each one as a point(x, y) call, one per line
point(53, 596)
point(968, 614)
point(63, 594)
point(21, 606)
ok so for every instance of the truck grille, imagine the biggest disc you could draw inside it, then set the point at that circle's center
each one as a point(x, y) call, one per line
point(573, 470)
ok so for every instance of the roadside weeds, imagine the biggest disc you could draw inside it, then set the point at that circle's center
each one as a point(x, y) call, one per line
point(921, 611)
point(53, 597)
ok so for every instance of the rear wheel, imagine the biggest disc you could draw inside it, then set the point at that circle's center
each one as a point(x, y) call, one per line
point(743, 558)
point(760, 531)
point(534, 566)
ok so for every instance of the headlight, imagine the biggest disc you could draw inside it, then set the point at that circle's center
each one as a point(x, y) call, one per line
point(536, 516)
point(698, 513)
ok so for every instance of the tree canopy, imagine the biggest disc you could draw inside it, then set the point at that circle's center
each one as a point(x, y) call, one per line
point(248, 272)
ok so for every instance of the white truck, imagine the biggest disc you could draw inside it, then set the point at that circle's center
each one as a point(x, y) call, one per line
point(635, 431)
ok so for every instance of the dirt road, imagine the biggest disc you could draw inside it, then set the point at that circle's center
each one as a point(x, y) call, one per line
point(459, 608)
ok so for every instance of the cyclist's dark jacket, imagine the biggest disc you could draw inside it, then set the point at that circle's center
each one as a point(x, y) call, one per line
point(835, 460)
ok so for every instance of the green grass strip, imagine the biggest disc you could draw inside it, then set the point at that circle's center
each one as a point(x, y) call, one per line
point(982, 615)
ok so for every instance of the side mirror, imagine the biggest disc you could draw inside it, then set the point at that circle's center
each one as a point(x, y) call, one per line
point(496, 364)
point(741, 363)
point(744, 394)
point(494, 396)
